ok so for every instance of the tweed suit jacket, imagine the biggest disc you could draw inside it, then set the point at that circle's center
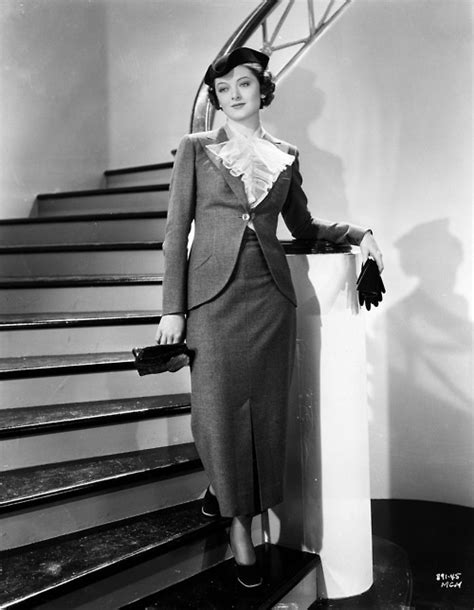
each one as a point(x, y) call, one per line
point(204, 191)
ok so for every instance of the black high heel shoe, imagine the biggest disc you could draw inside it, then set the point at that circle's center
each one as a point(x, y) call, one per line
point(210, 505)
point(249, 575)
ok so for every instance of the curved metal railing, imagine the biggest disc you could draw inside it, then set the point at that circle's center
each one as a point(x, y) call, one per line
point(203, 112)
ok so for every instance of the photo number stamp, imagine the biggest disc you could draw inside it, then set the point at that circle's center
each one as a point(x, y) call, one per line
point(451, 580)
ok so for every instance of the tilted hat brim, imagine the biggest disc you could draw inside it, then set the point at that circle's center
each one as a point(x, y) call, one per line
point(242, 55)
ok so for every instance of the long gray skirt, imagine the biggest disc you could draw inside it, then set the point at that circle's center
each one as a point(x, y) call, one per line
point(240, 377)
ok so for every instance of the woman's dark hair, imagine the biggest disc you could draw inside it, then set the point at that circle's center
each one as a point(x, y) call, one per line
point(267, 87)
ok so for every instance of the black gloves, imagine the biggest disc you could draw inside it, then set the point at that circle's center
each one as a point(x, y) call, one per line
point(370, 285)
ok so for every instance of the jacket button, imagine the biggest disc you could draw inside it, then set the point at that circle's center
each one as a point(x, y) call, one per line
point(245, 217)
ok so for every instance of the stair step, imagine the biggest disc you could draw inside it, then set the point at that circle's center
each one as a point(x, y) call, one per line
point(40, 571)
point(71, 444)
point(80, 293)
point(34, 420)
point(108, 191)
point(35, 391)
point(58, 342)
point(26, 486)
point(111, 226)
point(51, 281)
point(143, 174)
point(81, 247)
point(78, 319)
point(69, 335)
point(78, 218)
point(71, 440)
point(217, 587)
point(66, 515)
point(75, 259)
point(152, 197)
point(64, 364)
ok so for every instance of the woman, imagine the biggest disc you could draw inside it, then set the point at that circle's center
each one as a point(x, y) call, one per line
point(233, 299)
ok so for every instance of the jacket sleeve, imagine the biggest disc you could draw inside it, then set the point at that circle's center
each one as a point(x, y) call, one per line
point(181, 210)
point(303, 226)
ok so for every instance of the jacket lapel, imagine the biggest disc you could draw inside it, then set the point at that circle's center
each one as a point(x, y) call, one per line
point(235, 183)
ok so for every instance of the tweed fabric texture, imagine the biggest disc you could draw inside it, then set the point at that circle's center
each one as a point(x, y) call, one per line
point(244, 348)
point(204, 191)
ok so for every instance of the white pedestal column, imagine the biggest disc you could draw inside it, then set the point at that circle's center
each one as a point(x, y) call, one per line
point(327, 496)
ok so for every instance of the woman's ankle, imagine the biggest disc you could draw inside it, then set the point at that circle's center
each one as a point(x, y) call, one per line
point(241, 540)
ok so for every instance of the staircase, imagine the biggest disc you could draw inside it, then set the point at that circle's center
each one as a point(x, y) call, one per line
point(99, 494)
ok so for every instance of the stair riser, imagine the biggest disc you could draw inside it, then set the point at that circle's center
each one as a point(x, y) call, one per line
point(93, 442)
point(65, 516)
point(158, 176)
point(81, 263)
point(137, 202)
point(145, 229)
point(81, 298)
point(87, 340)
point(91, 386)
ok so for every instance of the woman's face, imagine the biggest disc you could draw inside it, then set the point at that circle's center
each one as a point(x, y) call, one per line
point(238, 93)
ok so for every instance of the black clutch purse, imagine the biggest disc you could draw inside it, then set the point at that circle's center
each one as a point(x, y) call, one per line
point(161, 358)
point(370, 285)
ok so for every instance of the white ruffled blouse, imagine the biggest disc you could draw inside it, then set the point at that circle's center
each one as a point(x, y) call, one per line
point(256, 160)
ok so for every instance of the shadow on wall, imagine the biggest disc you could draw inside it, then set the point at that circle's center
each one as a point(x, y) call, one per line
point(300, 103)
point(429, 352)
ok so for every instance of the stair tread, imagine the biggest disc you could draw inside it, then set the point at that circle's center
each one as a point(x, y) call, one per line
point(102, 246)
point(119, 190)
point(104, 216)
point(65, 281)
point(62, 364)
point(65, 364)
point(74, 319)
point(46, 361)
point(34, 572)
point(139, 168)
point(28, 420)
point(217, 587)
point(38, 483)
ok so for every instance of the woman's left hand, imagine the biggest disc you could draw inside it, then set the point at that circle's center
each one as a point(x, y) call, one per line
point(368, 247)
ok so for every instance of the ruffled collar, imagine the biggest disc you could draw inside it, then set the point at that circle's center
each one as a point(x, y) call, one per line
point(255, 159)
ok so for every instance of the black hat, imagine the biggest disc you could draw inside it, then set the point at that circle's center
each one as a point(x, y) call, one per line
point(224, 64)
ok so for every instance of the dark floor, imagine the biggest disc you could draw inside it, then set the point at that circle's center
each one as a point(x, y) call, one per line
point(423, 560)
point(439, 542)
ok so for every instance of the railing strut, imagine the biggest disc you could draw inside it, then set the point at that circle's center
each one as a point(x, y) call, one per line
point(312, 26)
point(326, 12)
point(280, 23)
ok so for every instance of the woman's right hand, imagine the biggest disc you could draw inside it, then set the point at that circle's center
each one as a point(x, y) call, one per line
point(171, 329)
